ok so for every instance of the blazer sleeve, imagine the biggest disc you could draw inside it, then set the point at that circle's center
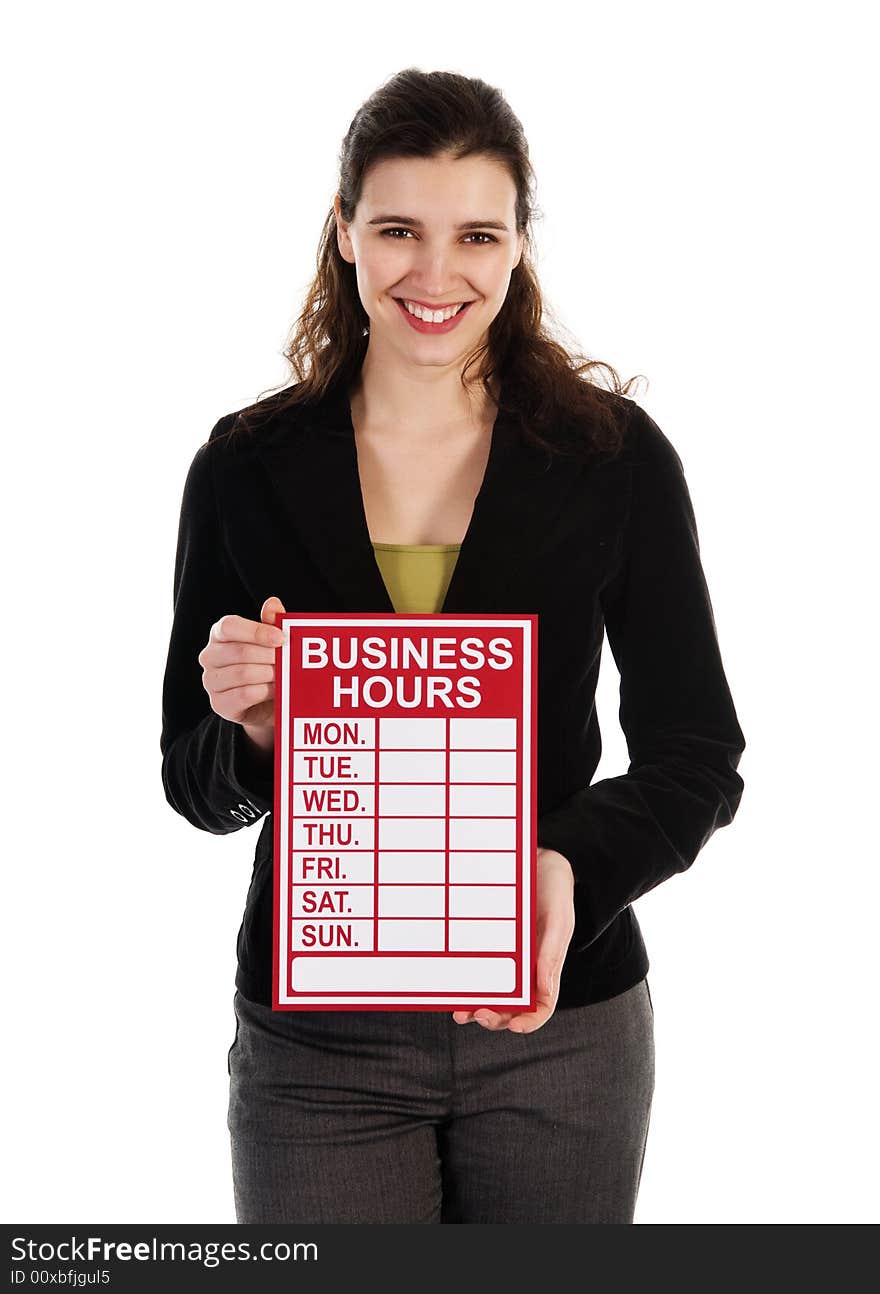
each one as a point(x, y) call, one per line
point(211, 773)
point(624, 835)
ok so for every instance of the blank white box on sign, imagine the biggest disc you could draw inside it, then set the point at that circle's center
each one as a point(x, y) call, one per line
point(425, 733)
point(412, 867)
point(326, 833)
point(482, 766)
point(493, 734)
point(412, 901)
point(482, 900)
point(412, 833)
point(412, 765)
point(422, 974)
point(421, 798)
point(489, 800)
point(409, 936)
point(493, 936)
point(482, 833)
point(490, 869)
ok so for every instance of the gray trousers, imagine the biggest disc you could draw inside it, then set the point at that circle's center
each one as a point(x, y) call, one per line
point(406, 1116)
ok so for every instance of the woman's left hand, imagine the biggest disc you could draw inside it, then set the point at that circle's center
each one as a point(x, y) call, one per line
point(555, 925)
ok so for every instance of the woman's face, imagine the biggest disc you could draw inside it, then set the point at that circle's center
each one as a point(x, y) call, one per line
point(407, 243)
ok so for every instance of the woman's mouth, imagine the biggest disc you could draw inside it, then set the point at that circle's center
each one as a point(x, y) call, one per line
point(421, 325)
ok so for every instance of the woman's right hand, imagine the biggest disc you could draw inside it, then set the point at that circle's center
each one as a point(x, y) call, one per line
point(238, 671)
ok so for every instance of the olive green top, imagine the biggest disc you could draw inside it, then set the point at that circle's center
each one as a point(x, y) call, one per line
point(416, 575)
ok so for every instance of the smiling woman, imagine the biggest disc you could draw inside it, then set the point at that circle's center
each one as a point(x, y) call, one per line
point(434, 211)
point(438, 433)
point(444, 274)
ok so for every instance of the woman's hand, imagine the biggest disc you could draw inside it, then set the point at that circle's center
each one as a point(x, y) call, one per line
point(555, 925)
point(238, 671)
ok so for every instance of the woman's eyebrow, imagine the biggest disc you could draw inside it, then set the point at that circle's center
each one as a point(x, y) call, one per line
point(417, 224)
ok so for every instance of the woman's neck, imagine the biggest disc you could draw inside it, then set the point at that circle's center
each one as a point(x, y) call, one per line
point(430, 409)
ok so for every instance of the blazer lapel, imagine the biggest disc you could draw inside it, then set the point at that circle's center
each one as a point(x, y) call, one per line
point(313, 471)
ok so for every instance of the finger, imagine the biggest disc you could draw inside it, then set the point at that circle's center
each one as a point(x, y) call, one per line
point(271, 609)
point(226, 677)
point(492, 1019)
point(462, 1017)
point(548, 972)
point(233, 628)
point(243, 701)
point(219, 654)
point(531, 1020)
point(554, 943)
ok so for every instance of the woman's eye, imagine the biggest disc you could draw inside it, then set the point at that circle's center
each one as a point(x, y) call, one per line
point(400, 229)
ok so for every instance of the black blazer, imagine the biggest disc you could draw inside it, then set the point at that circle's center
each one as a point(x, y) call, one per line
point(585, 546)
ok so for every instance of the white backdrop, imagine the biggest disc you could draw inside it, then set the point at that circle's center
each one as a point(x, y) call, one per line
point(706, 186)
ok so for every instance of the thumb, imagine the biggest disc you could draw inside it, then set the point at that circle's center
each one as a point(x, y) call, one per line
point(549, 968)
point(271, 608)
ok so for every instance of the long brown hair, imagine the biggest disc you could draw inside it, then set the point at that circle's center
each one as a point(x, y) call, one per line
point(548, 390)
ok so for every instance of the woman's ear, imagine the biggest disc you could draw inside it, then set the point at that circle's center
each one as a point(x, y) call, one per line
point(343, 238)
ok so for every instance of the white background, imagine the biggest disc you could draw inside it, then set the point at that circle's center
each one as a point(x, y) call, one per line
point(705, 178)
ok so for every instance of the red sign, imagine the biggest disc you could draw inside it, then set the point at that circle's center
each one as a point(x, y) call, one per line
point(405, 812)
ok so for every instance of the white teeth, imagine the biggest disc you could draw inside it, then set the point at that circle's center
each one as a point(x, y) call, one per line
point(432, 316)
